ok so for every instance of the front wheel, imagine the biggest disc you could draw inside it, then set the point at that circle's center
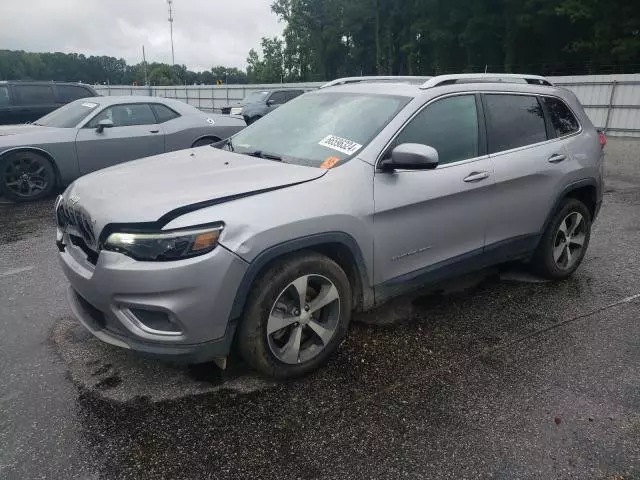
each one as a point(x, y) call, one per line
point(203, 142)
point(26, 176)
point(564, 242)
point(296, 316)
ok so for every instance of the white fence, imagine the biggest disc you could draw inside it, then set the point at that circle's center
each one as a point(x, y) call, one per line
point(611, 101)
point(209, 98)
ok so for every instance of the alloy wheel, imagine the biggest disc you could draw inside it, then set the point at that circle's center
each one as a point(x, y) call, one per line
point(25, 176)
point(569, 240)
point(303, 319)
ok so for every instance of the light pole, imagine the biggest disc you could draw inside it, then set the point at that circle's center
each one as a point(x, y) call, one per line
point(170, 3)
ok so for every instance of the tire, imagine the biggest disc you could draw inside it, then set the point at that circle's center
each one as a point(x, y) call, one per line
point(569, 227)
point(274, 354)
point(203, 142)
point(26, 176)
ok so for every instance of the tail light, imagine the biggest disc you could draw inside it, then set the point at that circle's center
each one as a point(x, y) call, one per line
point(602, 138)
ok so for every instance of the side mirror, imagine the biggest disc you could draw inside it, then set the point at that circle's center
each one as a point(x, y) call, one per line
point(102, 124)
point(411, 156)
point(271, 103)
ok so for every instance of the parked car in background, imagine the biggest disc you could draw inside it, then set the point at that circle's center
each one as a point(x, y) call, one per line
point(337, 201)
point(256, 105)
point(90, 134)
point(26, 101)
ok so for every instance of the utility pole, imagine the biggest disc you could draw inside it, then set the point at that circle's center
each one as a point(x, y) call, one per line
point(170, 3)
point(144, 65)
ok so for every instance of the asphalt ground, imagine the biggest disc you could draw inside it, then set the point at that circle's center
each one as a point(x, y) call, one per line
point(498, 376)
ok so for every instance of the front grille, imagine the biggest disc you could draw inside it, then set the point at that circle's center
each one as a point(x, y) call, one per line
point(79, 242)
point(75, 217)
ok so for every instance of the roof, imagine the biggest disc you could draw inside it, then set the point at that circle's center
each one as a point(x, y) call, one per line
point(383, 88)
point(44, 82)
point(448, 83)
point(115, 99)
point(377, 79)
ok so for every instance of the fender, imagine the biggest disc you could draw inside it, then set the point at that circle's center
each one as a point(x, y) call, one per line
point(586, 182)
point(213, 138)
point(256, 266)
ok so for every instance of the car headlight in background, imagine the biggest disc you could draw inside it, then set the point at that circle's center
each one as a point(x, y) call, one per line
point(165, 246)
point(236, 110)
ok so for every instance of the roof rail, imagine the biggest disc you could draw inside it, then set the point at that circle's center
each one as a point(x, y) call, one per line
point(485, 78)
point(400, 79)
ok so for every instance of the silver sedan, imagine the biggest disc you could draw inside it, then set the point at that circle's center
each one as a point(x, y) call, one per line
point(90, 134)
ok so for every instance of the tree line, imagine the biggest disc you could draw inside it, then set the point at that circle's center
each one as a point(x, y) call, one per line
point(73, 67)
point(325, 39)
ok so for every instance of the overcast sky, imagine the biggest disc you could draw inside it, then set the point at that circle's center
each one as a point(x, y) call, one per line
point(206, 33)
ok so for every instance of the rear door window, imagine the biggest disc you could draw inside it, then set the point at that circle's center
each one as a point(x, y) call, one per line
point(562, 118)
point(69, 93)
point(33, 94)
point(449, 125)
point(163, 113)
point(513, 121)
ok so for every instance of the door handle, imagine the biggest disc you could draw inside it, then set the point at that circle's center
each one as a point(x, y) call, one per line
point(476, 177)
point(557, 158)
point(154, 131)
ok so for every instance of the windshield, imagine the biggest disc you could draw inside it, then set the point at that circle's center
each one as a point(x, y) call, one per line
point(320, 129)
point(68, 116)
point(255, 97)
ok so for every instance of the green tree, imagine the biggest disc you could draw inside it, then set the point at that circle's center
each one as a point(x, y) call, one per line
point(163, 75)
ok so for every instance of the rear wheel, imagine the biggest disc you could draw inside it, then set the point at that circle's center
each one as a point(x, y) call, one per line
point(26, 176)
point(296, 316)
point(565, 242)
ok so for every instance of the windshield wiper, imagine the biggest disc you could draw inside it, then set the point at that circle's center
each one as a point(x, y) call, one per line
point(267, 156)
point(224, 143)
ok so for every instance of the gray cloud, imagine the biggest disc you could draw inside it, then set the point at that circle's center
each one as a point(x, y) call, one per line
point(206, 32)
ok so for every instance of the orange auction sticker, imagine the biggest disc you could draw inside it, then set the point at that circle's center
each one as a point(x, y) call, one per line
point(330, 162)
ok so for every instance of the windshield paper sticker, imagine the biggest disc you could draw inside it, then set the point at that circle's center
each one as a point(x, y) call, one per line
point(90, 105)
point(329, 163)
point(339, 144)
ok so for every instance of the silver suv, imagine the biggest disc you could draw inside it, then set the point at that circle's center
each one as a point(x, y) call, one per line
point(335, 202)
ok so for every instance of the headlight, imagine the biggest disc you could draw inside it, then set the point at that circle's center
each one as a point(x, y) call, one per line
point(236, 110)
point(164, 246)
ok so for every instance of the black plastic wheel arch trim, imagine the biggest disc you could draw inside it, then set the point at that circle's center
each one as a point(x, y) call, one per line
point(290, 246)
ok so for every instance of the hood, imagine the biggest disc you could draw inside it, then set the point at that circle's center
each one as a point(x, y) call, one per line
point(147, 190)
point(22, 129)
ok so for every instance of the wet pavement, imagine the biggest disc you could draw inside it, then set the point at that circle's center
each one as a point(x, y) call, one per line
point(499, 376)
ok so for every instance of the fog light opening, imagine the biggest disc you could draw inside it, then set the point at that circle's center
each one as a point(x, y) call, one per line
point(155, 321)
